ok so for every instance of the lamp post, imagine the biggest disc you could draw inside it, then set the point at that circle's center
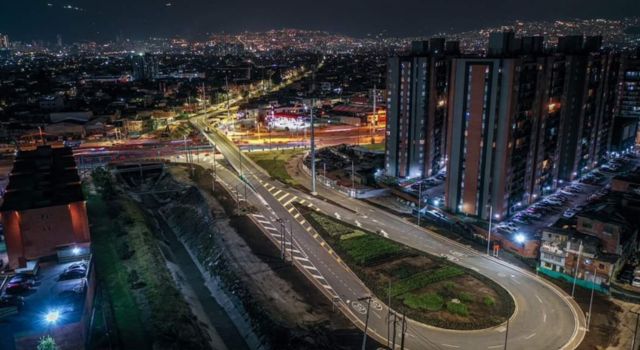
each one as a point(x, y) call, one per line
point(593, 287)
point(490, 222)
point(419, 200)
point(313, 152)
point(575, 274)
point(366, 322)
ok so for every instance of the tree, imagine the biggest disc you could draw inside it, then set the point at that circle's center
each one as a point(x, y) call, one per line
point(47, 343)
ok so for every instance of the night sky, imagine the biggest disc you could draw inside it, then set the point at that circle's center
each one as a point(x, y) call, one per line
point(104, 19)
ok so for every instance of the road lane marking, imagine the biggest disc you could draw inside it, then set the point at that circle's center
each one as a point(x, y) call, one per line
point(283, 197)
point(544, 316)
point(449, 345)
point(537, 297)
point(495, 346)
point(530, 336)
point(277, 193)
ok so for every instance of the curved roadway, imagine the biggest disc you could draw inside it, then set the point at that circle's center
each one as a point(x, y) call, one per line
point(545, 317)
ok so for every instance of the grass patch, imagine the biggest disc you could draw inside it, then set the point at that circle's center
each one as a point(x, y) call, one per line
point(353, 234)
point(428, 301)
point(369, 249)
point(374, 146)
point(459, 309)
point(112, 275)
point(488, 301)
point(425, 278)
point(274, 162)
point(418, 282)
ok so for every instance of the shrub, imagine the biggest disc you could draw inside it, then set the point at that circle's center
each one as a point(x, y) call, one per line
point(465, 297)
point(488, 301)
point(457, 308)
point(428, 301)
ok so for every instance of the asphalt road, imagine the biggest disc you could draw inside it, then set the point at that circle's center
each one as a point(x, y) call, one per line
point(545, 317)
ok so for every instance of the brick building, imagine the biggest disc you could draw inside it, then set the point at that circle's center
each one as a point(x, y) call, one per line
point(44, 208)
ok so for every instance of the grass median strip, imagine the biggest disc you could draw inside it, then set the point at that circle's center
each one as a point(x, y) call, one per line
point(427, 288)
point(275, 163)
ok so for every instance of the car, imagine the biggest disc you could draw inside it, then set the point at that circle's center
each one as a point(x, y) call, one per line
point(521, 220)
point(636, 281)
point(568, 214)
point(17, 288)
point(626, 276)
point(436, 213)
point(7, 300)
point(22, 278)
point(534, 215)
point(73, 272)
point(441, 177)
point(567, 192)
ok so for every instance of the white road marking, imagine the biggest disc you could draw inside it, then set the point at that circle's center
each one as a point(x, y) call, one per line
point(277, 193)
point(450, 346)
point(358, 223)
point(283, 197)
point(337, 215)
point(544, 317)
point(537, 297)
point(530, 336)
point(496, 346)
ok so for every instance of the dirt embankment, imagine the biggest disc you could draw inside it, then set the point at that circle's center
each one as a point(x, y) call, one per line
point(283, 309)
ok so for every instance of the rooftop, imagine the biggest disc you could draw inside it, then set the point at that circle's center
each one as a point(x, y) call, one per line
point(42, 178)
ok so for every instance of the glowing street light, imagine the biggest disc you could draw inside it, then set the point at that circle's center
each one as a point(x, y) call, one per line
point(52, 316)
point(520, 238)
point(75, 250)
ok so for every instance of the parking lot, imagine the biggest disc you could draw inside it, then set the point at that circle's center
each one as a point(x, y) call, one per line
point(55, 295)
point(567, 201)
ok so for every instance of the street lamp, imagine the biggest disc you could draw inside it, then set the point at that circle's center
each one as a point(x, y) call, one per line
point(520, 238)
point(52, 316)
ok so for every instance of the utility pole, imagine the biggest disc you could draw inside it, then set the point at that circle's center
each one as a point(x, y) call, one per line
point(375, 115)
point(490, 222)
point(366, 322)
point(313, 153)
point(353, 179)
point(419, 200)
point(290, 239)
point(506, 335)
point(282, 237)
point(404, 330)
point(575, 274)
point(593, 287)
point(395, 323)
point(635, 331)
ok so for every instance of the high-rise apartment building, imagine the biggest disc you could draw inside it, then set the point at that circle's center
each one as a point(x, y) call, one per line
point(521, 122)
point(4, 41)
point(416, 108)
point(145, 67)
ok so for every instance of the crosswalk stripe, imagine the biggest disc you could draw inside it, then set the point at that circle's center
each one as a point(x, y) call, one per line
point(296, 216)
point(283, 197)
point(270, 228)
point(277, 193)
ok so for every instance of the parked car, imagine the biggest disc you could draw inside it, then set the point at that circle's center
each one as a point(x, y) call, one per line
point(636, 281)
point(521, 220)
point(7, 300)
point(436, 213)
point(569, 213)
point(626, 276)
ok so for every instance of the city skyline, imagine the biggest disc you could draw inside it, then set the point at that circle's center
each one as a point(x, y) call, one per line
point(96, 20)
